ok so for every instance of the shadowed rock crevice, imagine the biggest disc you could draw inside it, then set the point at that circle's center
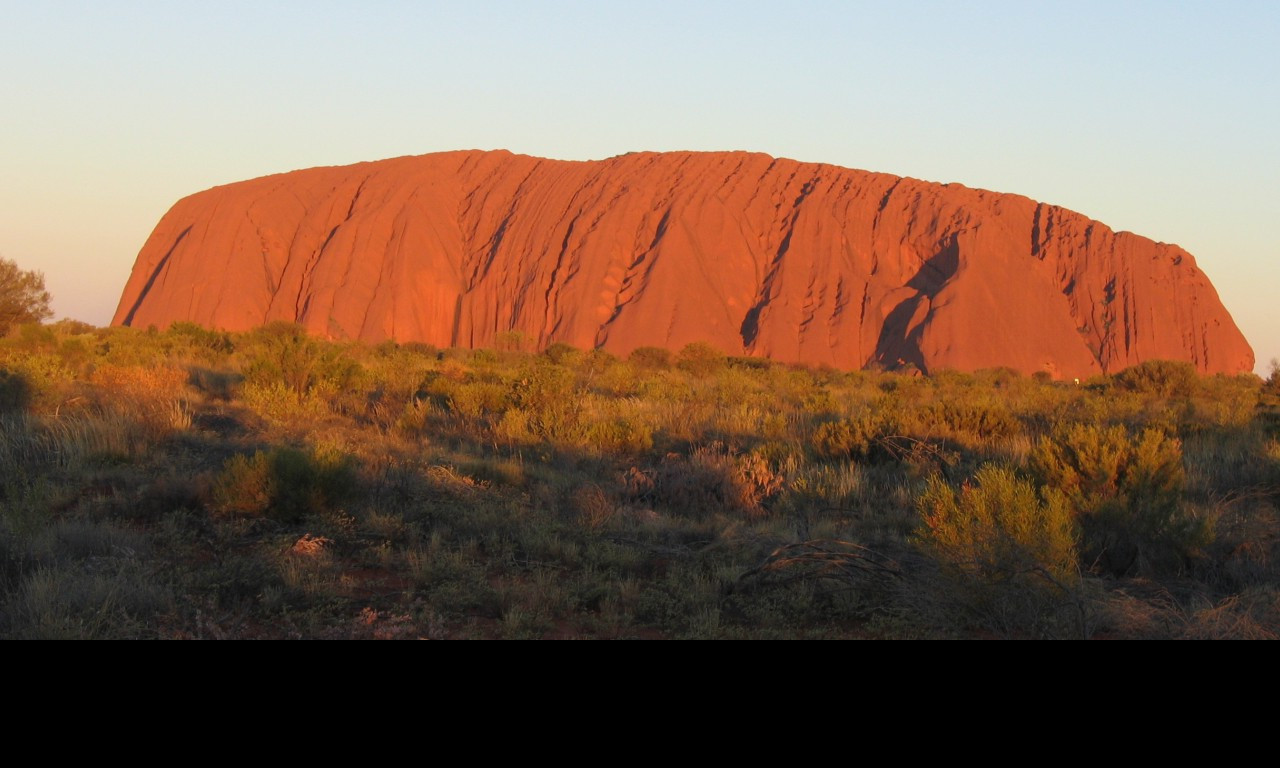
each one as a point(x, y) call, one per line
point(899, 342)
point(750, 327)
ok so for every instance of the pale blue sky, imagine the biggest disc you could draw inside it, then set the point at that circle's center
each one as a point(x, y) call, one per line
point(1158, 117)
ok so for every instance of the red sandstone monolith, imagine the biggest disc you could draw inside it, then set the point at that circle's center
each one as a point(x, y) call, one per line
point(759, 256)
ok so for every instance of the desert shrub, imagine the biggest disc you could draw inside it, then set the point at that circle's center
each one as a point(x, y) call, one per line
point(1000, 378)
point(478, 399)
point(1268, 406)
point(751, 363)
point(420, 349)
point(1127, 492)
point(650, 358)
point(439, 386)
point(594, 507)
point(969, 418)
point(127, 346)
point(561, 353)
point(484, 358)
point(513, 427)
point(25, 504)
point(858, 437)
point(15, 392)
point(200, 342)
point(712, 479)
point(595, 362)
point(1166, 378)
point(68, 327)
point(1007, 553)
point(998, 527)
point(283, 353)
point(513, 341)
point(550, 397)
point(283, 404)
point(219, 385)
point(619, 436)
point(758, 479)
point(701, 360)
point(735, 386)
point(1222, 401)
point(244, 485)
point(616, 381)
point(34, 337)
point(75, 354)
point(818, 403)
point(138, 382)
point(950, 379)
point(49, 382)
point(419, 416)
point(284, 484)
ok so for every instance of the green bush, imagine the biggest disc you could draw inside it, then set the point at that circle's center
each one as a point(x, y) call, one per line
point(998, 528)
point(859, 437)
point(712, 480)
point(48, 381)
point(282, 404)
point(619, 437)
point(1007, 557)
point(650, 358)
point(202, 342)
point(1269, 400)
point(478, 399)
point(970, 418)
point(1127, 491)
point(283, 354)
point(15, 392)
point(561, 353)
point(701, 360)
point(549, 395)
point(1166, 378)
point(513, 341)
point(284, 484)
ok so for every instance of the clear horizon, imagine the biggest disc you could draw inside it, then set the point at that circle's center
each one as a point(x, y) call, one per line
point(1156, 118)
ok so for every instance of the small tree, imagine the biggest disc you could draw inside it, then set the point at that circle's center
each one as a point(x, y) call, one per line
point(23, 298)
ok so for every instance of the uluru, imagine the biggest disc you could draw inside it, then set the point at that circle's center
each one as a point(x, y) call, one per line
point(798, 262)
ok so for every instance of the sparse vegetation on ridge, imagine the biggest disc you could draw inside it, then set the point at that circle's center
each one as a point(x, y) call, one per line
point(199, 484)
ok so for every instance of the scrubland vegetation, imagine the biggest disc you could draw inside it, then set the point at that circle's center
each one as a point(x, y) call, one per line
point(199, 484)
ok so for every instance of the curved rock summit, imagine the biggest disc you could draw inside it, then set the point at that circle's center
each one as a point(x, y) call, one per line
point(799, 262)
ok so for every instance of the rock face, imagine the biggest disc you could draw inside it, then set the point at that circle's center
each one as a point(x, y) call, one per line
point(794, 261)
